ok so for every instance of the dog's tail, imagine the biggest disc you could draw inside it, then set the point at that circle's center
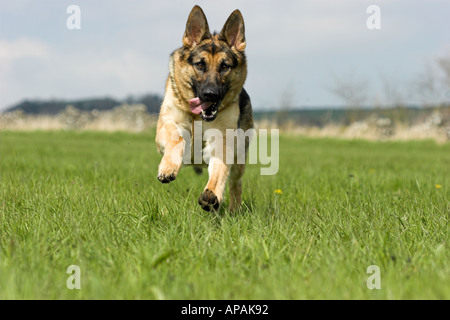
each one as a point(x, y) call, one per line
point(198, 170)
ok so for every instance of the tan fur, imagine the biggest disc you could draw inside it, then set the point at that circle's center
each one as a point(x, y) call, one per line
point(176, 114)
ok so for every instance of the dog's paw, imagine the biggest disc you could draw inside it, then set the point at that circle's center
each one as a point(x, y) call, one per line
point(166, 176)
point(208, 200)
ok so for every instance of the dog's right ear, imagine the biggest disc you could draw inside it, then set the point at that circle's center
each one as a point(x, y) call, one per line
point(197, 28)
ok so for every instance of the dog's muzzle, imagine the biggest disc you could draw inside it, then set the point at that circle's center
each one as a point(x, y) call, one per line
point(207, 110)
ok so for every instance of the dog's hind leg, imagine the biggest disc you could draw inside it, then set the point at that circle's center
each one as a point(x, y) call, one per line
point(236, 173)
point(198, 170)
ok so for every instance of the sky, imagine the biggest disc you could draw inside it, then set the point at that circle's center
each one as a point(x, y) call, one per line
point(298, 52)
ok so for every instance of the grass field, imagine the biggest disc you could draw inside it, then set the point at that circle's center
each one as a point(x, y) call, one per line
point(93, 200)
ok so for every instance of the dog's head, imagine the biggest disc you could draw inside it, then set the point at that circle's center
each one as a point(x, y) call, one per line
point(214, 65)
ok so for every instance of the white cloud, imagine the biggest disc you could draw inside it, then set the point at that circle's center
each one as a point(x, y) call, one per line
point(12, 53)
point(30, 68)
point(22, 48)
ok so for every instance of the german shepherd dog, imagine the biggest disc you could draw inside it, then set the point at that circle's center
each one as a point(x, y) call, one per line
point(205, 85)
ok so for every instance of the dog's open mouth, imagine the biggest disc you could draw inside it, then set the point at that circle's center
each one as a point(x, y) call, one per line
point(207, 110)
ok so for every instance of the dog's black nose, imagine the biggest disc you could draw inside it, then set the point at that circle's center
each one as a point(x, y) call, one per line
point(211, 95)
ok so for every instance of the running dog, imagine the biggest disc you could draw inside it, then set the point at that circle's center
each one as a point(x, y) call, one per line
point(205, 84)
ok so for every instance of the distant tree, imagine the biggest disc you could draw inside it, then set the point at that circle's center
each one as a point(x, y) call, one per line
point(432, 85)
point(352, 90)
point(444, 64)
point(52, 107)
point(152, 102)
point(286, 103)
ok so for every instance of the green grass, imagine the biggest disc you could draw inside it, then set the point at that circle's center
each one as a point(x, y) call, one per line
point(93, 200)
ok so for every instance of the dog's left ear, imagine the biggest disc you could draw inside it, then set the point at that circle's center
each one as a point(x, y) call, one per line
point(233, 32)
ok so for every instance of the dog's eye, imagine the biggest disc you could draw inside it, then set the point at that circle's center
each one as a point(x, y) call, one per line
point(224, 67)
point(200, 66)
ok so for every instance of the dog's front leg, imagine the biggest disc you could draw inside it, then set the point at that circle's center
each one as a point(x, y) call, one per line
point(171, 144)
point(212, 196)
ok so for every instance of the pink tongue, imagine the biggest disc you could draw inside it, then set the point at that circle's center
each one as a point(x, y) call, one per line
point(198, 105)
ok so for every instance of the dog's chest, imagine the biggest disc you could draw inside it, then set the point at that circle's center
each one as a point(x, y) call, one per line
point(210, 138)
